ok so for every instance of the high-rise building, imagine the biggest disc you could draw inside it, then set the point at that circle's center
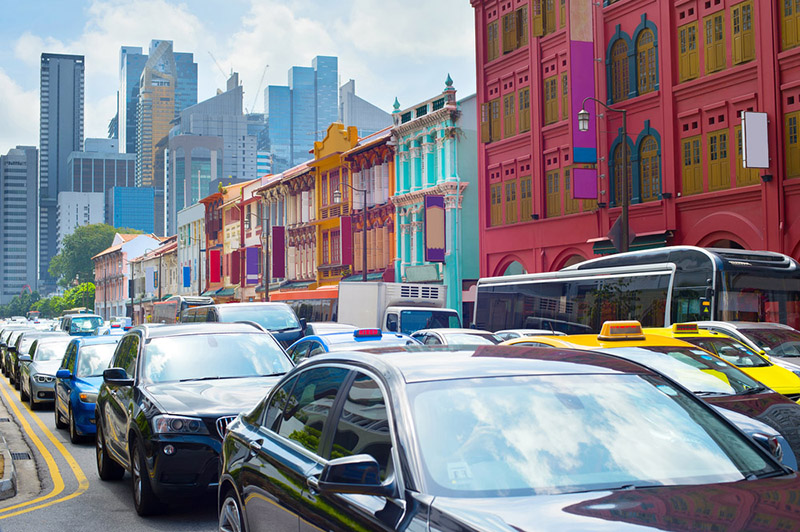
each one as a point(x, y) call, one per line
point(130, 208)
point(358, 112)
point(18, 236)
point(194, 161)
point(60, 133)
point(131, 65)
point(76, 209)
point(100, 166)
point(300, 113)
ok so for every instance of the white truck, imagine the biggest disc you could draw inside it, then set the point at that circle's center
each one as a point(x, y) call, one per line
point(395, 307)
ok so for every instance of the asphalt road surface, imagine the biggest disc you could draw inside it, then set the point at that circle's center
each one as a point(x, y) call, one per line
point(58, 487)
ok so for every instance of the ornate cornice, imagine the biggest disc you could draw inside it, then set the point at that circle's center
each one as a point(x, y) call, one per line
point(446, 188)
point(431, 119)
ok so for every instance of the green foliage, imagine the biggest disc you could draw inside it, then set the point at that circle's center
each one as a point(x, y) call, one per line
point(51, 307)
point(74, 261)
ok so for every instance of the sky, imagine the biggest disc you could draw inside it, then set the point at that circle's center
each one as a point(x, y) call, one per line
point(391, 48)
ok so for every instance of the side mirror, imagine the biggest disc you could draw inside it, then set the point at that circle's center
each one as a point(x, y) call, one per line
point(117, 377)
point(303, 323)
point(391, 323)
point(63, 373)
point(12, 348)
point(358, 474)
point(24, 358)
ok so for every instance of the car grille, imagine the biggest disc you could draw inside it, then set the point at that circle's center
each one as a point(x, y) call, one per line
point(222, 425)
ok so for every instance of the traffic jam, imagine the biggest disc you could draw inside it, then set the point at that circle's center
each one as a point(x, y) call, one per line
point(617, 394)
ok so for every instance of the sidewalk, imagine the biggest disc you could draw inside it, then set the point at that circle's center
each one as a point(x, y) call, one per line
point(20, 475)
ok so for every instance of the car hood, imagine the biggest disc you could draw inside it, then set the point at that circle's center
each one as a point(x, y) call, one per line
point(47, 367)
point(213, 397)
point(740, 505)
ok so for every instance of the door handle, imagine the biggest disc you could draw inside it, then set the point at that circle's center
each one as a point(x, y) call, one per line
point(313, 484)
point(255, 446)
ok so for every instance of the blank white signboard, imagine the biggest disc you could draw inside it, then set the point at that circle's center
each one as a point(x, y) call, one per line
point(755, 142)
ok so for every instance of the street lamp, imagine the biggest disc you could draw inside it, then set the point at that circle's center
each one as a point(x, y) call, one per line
point(337, 198)
point(583, 125)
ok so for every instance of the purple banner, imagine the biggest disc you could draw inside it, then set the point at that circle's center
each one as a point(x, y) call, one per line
point(584, 183)
point(434, 229)
point(251, 266)
point(581, 63)
point(278, 251)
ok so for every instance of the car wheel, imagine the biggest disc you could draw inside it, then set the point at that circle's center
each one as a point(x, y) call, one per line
point(144, 499)
point(23, 397)
point(59, 421)
point(230, 515)
point(16, 381)
point(31, 403)
point(107, 468)
point(74, 437)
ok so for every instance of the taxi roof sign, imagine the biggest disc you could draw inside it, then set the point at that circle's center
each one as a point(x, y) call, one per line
point(621, 330)
point(685, 328)
point(367, 333)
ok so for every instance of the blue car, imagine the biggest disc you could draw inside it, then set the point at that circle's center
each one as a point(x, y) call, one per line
point(346, 341)
point(78, 382)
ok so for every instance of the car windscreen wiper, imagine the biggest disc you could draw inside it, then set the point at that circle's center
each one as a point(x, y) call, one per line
point(286, 329)
point(705, 393)
point(754, 390)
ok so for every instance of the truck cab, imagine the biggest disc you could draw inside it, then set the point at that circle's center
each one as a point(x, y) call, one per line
point(406, 320)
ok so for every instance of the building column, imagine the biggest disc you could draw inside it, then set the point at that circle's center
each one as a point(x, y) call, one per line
point(405, 235)
point(429, 152)
point(452, 276)
point(419, 249)
point(416, 158)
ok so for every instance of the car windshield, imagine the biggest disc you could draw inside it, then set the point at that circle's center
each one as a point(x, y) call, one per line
point(51, 350)
point(730, 350)
point(514, 436)
point(213, 356)
point(471, 338)
point(414, 320)
point(272, 317)
point(777, 342)
point(91, 323)
point(93, 359)
point(697, 370)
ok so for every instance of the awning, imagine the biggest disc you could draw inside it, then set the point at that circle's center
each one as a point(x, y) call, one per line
point(166, 297)
point(655, 239)
point(209, 292)
point(374, 276)
point(297, 284)
point(224, 292)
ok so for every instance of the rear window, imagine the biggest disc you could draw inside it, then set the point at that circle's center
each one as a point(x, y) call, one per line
point(87, 324)
point(274, 318)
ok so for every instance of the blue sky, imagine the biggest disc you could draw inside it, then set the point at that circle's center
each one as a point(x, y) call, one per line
point(390, 47)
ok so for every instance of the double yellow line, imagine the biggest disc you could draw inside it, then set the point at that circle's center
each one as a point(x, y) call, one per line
point(52, 468)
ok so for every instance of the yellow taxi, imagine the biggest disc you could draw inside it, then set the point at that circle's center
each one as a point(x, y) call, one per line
point(735, 352)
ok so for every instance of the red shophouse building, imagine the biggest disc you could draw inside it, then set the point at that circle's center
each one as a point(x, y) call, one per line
point(683, 70)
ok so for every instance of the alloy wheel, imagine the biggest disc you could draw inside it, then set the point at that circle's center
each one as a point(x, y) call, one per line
point(230, 517)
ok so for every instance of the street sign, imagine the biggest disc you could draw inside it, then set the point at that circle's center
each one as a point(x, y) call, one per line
point(615, 234)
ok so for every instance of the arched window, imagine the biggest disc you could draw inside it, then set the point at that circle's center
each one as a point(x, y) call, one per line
point(649, 169)
point(619, 71)
point(618, 171)
point(646, 61)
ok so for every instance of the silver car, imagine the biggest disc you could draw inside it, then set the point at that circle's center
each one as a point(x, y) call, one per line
point(443, 336)
point(779, 342)
point(37, 370)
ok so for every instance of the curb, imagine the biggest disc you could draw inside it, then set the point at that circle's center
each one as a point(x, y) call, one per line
point(8, 482)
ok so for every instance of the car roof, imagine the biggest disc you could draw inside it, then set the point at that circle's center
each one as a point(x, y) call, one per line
point(95, 340)
point(446, 330)
point(247, 304)
point(744, 324)
point(155, 330)
point(700, 333)
point(73, 316)
point(417, 363)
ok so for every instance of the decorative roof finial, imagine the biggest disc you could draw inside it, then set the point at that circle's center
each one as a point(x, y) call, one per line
point(449, 81)
point(396, 104)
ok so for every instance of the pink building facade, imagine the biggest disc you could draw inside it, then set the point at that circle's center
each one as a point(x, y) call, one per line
point(684, 71)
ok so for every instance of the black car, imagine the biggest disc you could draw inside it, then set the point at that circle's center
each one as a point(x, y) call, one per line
point(167, 397)
point(493, 438)
point(5, 354)
point(277, 318)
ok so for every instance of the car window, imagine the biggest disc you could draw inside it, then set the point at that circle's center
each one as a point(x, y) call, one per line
point(277, 405)
point(125, 356)
point(69, 358)
point(309, 405)
point(363, 427)
point(315, 349)
point(94, 359)
point(431, 339)
point(298, 352)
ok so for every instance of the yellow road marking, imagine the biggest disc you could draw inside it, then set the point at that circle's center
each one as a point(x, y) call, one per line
point(52, 467)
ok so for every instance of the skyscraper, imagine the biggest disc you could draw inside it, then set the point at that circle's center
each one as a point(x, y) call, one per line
point(300, 113)
point(18, 237)
point(355, 111)
point(60, 133)
point(131, 64)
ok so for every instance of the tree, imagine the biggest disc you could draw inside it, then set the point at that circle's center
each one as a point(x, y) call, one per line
point(74, 261)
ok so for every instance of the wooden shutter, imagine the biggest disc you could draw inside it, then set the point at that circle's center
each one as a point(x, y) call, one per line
point(522, 26)
point(486, 131)
point(509, 118)
point(537, 18)
point(792, 136)
point(495, 118)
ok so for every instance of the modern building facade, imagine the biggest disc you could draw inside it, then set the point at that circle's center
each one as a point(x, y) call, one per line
point(358, 112)
point(131, 65)
point(194, 162)
point(130, 208)
point(300, 113)
point(191, 249)
point(60, 133)
point(18, 235)
point(99, 167)
point(683, 72)
point(76, 209)
point(437, 194)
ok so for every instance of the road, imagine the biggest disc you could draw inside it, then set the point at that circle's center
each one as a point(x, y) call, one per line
point(68, 494)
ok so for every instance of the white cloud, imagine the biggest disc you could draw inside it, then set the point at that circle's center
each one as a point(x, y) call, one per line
point(18, 126)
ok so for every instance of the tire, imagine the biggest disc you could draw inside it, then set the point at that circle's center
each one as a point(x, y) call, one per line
point(59, 421)
point(144, 499)
point(107, 468)
point(74, 437)
point(230, 514)
point(31, 403)
point(23, 397)
point(16, 381)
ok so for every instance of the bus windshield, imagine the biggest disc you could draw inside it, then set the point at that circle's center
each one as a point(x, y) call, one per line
point(765, 296)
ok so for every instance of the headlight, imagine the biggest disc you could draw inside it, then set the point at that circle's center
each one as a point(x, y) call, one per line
point(166, 424)
point(87, 397)
point(42, 379)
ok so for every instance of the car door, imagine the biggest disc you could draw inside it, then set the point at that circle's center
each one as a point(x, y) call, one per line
point(362, 425)
point(118, 409)
point(64, 386)
point(287, 448)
